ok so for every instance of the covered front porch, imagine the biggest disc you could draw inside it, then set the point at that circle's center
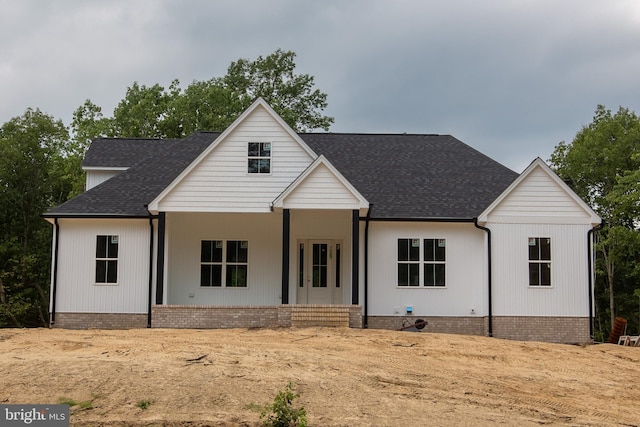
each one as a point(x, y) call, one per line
point(287, 267)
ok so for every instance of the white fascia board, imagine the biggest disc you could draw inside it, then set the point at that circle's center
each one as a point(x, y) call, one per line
point(104, 168)
point(153, 206)
point(321, 160)
point(538, 162)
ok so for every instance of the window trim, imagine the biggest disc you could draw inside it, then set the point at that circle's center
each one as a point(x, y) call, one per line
point(224, 264)
point(260, 157)
point(539, 262)
point(107, 259)
point(422, 262)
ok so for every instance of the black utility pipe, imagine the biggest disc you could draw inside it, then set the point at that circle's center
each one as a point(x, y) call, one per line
point(490, 318)
point(150, 271)
point(590, 280)
point(54, 284)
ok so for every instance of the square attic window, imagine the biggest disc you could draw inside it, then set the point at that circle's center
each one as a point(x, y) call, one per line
point(259, 157)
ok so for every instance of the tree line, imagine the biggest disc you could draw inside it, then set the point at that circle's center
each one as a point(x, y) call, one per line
point(40, 162)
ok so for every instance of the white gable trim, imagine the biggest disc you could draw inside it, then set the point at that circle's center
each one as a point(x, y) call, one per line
point(280, 201)
point(539, 163)
point(259, 103)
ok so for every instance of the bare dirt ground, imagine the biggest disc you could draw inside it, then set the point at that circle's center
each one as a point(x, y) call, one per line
point(346, 377)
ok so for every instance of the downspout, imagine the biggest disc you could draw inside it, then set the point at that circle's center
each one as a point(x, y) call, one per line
point(590, 279)
point(490, 317)
point(150, 302)
point(365, 323)
point(54, 284)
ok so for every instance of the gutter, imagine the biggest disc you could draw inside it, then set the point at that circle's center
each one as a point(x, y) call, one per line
point(54, 283)
point(425, 219)
point(590, 273)
point(490, 317)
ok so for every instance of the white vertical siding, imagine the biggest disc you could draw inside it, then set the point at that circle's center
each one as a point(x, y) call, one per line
point(96, 177)
point(538, 198)
point(220, 183)
point(76, 287)
point(512, 295)
point(187, 230)
point(321, 190)
point(466, 270)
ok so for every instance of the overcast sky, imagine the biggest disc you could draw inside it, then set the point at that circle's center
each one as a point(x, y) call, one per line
point(510, 78)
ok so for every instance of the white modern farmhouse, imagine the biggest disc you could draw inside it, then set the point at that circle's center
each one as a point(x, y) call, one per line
point(259, 226)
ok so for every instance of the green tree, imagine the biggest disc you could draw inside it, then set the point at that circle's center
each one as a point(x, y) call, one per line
point(33, 177)
point(602, 165)
point(291, 95)
point(156, 112)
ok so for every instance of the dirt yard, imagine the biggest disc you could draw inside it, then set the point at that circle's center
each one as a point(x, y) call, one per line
point(346, 377)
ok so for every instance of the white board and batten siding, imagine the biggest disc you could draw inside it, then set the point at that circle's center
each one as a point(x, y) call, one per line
point(539, 204)
point(220, 181)
point(185, 232)
point(77, 290)
point(568, 294)
point(465, 293)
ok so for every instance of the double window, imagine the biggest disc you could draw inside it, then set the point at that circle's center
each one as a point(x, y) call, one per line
point(539, 261)
point(259, 157)
point(224, 263)
point(107, 259)
point(421, 262)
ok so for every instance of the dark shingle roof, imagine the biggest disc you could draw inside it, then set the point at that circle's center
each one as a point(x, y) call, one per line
point(415, 176)
point(403, 176)
point(122, 152)
point(128, 193)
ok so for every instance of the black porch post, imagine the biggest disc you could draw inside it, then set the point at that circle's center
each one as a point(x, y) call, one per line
point(160, 258)
point(286, 232)
point(355, 255)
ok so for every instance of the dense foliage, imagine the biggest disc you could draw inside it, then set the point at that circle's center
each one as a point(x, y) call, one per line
point(602, 164)
point(40, 161)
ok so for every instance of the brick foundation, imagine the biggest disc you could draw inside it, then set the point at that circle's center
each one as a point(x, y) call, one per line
point(550, 329)
point(569, 330)
point(100, 320)
point(446, 325)
point(211, 317)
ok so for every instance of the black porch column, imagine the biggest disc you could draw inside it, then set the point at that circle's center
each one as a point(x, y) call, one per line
point(355, 255)
point(160, 258)
point(286, 232)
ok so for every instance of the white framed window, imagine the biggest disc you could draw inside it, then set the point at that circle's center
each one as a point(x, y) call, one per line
point(224, 263)
point(107, 259)
point(421, 263)
point(539, 261)
point(259, 157)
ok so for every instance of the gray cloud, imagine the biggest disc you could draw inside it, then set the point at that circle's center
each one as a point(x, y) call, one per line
point(511, 79)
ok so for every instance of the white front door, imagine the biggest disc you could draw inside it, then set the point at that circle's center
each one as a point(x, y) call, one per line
point(319, 272)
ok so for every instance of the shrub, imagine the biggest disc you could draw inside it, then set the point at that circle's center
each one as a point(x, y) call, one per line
point(282, 413)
